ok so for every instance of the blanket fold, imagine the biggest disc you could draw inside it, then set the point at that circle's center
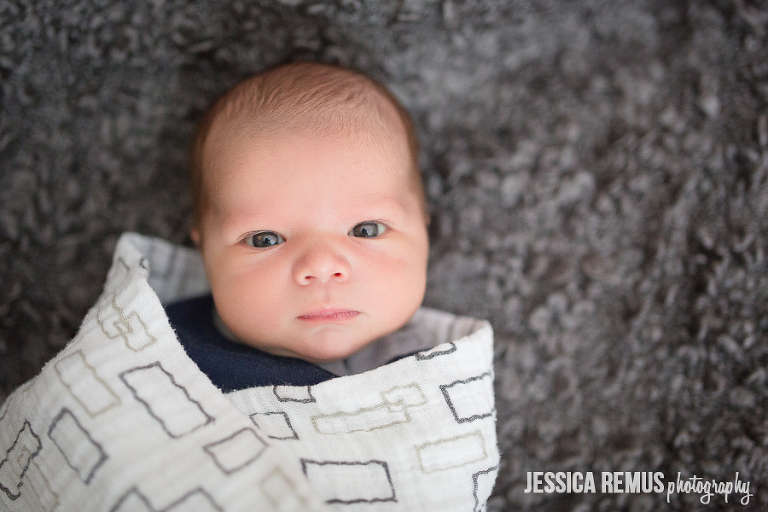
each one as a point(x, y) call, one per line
point(123, 420)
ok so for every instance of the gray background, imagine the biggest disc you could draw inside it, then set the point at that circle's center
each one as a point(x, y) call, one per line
point(597, 172)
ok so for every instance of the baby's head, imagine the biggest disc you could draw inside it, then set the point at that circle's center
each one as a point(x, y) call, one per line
point(309, 211)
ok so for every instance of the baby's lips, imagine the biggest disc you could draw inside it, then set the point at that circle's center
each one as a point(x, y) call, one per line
point(329, 315)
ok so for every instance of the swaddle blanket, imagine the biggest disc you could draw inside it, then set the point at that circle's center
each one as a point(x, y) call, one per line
point(122, 420)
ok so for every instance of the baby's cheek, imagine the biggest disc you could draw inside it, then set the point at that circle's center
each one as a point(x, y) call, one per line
point(244, 311)
point(260, 296)
point(403, 281)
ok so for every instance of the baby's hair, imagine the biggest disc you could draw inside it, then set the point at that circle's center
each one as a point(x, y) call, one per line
point(303, 96)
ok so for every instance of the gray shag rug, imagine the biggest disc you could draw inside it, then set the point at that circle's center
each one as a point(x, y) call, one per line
point(597, 172)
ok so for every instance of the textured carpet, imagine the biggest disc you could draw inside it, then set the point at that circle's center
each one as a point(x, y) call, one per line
point(597, 172)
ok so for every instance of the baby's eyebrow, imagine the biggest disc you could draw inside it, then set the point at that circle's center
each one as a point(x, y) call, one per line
point(241, 222)
point(383, 208)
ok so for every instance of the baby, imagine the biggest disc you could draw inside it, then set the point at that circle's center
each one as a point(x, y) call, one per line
point(312, 225)
point(311, 221)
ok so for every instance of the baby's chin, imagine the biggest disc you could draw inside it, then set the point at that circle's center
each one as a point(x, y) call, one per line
point(325, 345)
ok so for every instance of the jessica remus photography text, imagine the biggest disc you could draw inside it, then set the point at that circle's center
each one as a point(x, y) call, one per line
point(617, 482)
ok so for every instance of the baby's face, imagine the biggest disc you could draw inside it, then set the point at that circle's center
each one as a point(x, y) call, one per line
point(314, 245)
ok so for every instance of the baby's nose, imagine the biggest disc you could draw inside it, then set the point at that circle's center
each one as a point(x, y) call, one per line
point(321, 263)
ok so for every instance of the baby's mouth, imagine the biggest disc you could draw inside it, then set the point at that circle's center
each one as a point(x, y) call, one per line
point(329, 315)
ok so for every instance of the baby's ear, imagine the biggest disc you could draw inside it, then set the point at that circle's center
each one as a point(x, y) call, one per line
point(194, 234)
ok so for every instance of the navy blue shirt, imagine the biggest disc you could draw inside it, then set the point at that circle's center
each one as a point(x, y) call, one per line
point(230, 365)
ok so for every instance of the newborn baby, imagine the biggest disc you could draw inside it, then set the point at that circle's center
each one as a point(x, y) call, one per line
point(309, 378)
point(312, 223)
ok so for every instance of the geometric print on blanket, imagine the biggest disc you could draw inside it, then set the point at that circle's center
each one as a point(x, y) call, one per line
point(300, 394)
point(80, 451)
point(236, 451)
point(24, 449)
point(280, 490)
point(436, 352)
point(346, 483)
point(465, 449)
point(154, 387)
point(461, 397)
point(116, 323)
point(38, 484)
point(194, 501)
point(482, 485)
point(393, 410)
point(85, 385)
point(275, 424)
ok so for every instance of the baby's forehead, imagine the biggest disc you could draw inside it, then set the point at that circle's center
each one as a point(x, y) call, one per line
point(268, 146)
point(373, 125)
point(302, 98)
point(303, 172)
point(353, 106)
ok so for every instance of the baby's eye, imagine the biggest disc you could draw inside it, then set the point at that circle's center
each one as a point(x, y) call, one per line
point(263, 239)
point(368, 230)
